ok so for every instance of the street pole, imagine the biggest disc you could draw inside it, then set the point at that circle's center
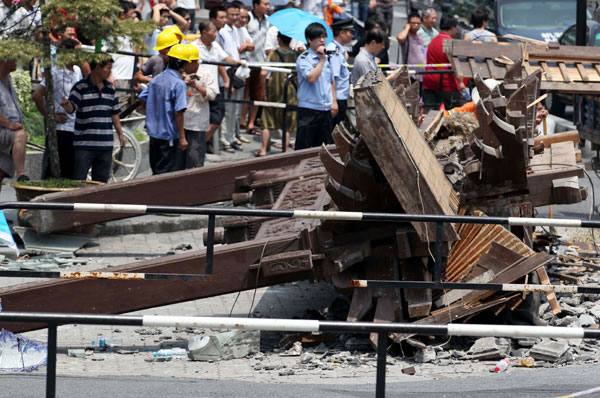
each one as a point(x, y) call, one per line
point(580, 33)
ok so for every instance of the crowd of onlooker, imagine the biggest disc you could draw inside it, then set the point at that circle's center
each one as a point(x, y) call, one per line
point(188, 101)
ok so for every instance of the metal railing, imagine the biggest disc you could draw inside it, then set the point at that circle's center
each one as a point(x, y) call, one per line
point(53, 319)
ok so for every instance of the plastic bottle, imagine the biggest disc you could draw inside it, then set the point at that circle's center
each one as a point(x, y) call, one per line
point(527, 362)
point(502, 365)
point(107, 342)
point(174, 352)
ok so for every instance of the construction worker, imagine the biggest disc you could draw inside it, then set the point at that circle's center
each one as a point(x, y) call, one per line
point(156, 64)
point(165, 99)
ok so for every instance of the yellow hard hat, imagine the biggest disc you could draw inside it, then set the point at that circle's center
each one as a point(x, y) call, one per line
point(175, 29)
point(166, 39)
point(180, 51)
point(194, 54)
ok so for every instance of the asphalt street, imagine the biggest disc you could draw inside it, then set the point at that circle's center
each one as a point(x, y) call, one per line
point(537, 382)
point(522, 383)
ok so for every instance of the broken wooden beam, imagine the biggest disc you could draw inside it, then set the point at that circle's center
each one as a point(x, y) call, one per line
point(191, 187)
point(407, 162)
point(234, 270)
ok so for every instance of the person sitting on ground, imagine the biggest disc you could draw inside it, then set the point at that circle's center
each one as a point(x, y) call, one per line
point(479, 20)
point(94, 98)
point(365, 60)
point(202, 87)
point(64, 79)
point(13, 137)
point(273, 117)
point(165, 100)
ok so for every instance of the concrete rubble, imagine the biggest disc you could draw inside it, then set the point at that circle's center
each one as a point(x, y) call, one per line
point(223, 346)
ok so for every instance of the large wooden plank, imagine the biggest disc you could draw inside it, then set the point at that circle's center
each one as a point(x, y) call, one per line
point(403, 155)
point(512, 273)
point(191, 187)
point(231, 273)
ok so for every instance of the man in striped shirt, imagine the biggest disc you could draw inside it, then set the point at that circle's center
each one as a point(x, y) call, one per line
point(97, 111)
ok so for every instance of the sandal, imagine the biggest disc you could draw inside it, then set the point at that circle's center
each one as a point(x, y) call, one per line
point(244, 139)
point(259, 155)
point(255, 131)
point(228, 149)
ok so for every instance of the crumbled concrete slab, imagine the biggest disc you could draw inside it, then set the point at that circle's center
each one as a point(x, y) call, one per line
point(549, 350)
point(426, 355)
point(586, 320)
point(60, 242)
point(294, 351)
point(223, 346)
point(76, 353)
point(486, 348)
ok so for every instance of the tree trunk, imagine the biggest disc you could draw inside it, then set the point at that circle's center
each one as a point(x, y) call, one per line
point(51, 141)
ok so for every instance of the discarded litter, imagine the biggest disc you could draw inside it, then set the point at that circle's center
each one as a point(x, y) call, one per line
point(502, 365)
point(175, 353)
point(527, 362)
point(108, 342)
point(20, 354)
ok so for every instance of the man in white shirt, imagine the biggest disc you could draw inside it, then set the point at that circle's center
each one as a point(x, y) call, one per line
point(18, 23)
point(63, 80)
point(210, 50)
point(228, 39)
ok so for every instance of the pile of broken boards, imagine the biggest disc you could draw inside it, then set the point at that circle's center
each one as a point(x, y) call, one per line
point(390, 166)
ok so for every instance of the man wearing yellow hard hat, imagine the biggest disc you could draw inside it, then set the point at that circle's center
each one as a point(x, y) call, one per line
point(169, 37)
point(165, 99)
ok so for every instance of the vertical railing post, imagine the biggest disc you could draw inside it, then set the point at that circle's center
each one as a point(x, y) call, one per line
point(439, 236)
point(381, 363)
point(210, 246)
point(51, 367)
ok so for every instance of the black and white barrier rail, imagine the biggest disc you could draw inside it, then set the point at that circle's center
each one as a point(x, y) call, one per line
point(310, 214)
point(288, 325)
point(501, 287)
point(212, 212)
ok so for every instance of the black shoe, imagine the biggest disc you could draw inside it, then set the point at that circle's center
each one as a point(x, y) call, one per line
point(22, 177)
point(209, 148)
point(236, 146)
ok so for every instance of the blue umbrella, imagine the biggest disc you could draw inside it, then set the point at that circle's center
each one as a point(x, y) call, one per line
point(292, 22)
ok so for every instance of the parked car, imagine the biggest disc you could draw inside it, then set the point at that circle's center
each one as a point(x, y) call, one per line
point(543, 20)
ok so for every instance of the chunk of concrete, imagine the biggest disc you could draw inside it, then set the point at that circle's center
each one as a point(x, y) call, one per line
point(294, 351)
point(586, 320)
point(223, 346)
point(486, 348)
point(549, 350)
point(426, 355)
